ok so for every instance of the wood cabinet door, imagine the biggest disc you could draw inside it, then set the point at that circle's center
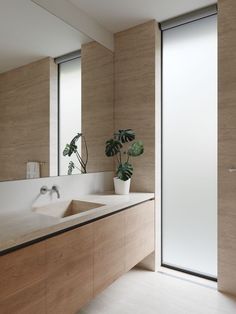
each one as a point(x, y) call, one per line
point(108, 251)
point(23, 281)
point(139, 233)
point(70, 270)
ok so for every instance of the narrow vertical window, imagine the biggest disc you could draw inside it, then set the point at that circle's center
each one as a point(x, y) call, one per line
point(189, 167)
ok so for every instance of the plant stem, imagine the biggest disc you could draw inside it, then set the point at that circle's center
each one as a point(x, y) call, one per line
point(120, 157)
point(86, 149)
point(81, 162)
point(79, 169)
point(80, 159)
point(117, 159)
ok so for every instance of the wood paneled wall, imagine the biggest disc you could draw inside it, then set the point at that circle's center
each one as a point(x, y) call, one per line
point(136, 93)
point(97, 103)
point(24, 118)
point(227, 146)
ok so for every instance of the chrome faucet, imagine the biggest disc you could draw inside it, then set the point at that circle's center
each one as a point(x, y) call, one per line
point(44, 189)
point(55, 189)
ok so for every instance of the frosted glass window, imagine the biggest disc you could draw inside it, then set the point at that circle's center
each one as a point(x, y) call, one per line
point(189, 156)
point(69, 110)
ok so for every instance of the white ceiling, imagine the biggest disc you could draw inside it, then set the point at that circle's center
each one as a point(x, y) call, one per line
point(117, 15)
point(29, 33)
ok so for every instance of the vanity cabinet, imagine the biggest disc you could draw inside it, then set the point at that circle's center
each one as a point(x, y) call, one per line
point(61, 274)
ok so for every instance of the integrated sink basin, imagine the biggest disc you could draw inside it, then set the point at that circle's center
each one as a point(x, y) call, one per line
point(66, 209)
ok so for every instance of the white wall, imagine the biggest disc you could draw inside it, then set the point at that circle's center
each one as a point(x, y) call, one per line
point(23, 194)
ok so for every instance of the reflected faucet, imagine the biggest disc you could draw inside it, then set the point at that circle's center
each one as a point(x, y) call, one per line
point(44, 189)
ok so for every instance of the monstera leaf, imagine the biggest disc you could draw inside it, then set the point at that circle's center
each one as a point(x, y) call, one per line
point(76, 138)
point(124, 171)
point(69, 149)
point(71, 166)
point(125, 136)
point(136, 149)
point(112, 147)
point(72, 147)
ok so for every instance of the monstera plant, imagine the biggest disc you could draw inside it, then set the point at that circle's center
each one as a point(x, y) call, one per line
point(123, 150)
point(72, 148)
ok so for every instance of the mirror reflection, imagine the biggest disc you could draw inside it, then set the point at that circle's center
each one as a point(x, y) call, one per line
point(55, 83)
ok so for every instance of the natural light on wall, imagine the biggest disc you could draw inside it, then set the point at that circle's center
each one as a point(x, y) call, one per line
point(189, 211)
point(69, 109)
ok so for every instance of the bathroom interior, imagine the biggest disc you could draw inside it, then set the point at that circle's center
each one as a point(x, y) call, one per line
point(117, 157)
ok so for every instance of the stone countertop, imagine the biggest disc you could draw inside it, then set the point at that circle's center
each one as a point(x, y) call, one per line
point(21, 227)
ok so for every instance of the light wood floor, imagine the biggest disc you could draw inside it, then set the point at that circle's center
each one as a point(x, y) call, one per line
point(143, 292)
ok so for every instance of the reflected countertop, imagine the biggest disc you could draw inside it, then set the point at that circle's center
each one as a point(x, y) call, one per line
point(23, 227)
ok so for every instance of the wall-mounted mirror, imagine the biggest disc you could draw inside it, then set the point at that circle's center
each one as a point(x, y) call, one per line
point(55, 82)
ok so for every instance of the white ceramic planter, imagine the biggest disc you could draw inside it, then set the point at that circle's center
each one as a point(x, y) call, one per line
point(121, 187)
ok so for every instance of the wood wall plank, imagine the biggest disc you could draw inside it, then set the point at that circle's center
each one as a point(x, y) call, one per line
point(227, 147)
point(97, 103)
point(136, 95)
point(24, 119)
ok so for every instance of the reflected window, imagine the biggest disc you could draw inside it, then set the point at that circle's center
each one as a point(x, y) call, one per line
point(69, 110)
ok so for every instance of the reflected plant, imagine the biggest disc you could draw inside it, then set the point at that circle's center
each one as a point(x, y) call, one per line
point(72, 148)
point(117, 146)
